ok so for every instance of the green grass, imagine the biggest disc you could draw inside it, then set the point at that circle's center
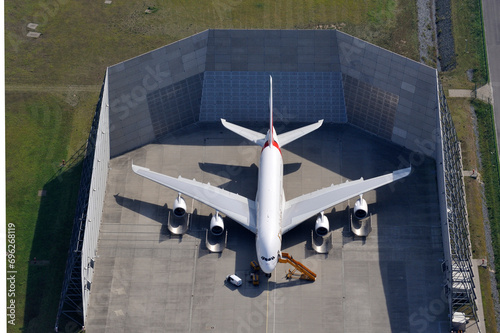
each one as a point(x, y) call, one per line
point(80, 39)
point(39, 135)
point(488, 308)
point(490, 172)
point(384, 12)
point(55, 220)
point(490, 176)
point(469, 45)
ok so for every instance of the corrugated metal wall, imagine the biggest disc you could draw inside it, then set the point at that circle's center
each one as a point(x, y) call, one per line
point(96, 199)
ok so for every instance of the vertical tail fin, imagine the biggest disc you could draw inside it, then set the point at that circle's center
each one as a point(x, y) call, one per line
point(270, 111)
point(269, 139)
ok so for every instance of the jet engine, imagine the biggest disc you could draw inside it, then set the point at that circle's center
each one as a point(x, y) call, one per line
point(361, 208)
point(322, 226)
point(216, 225)
point(179, 206)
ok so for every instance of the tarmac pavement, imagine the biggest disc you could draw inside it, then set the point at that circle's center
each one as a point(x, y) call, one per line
point(147, 280)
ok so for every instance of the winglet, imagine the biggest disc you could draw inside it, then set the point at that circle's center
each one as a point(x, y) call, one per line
point(401, 173)
point(137, 168)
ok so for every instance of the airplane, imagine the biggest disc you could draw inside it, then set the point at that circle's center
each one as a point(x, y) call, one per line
point(270, 216)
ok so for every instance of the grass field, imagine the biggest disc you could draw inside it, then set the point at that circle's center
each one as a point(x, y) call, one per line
point(79, 40)
point(469, 46)
point(490, 177)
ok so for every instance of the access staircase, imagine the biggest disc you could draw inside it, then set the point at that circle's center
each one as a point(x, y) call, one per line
point(305, 273)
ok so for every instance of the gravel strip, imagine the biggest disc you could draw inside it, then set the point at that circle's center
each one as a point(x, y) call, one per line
point(426, 29)
point(446, 43)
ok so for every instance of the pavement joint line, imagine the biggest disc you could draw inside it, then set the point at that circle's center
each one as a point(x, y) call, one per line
point(267, 310)
point(274, 304)
point(192, 287)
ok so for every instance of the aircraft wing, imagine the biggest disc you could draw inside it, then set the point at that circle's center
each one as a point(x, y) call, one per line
point(237, 207)
point(301, 208)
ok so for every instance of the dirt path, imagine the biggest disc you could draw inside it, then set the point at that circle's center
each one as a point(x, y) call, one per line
point(62, 89)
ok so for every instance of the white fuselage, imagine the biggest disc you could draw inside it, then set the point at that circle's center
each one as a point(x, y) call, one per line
point(270, 202)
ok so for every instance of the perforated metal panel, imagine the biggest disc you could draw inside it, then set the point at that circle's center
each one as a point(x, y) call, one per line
point(297, 96)
point(176, 105)
point(370, 108)
point(224, 73)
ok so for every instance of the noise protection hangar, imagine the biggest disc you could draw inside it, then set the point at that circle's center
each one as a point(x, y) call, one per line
point(139, 271)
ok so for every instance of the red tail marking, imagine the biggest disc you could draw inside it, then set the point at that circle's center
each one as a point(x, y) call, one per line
point(275, 144)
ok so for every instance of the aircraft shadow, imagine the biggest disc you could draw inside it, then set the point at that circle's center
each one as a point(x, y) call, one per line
point(197, 228)
point(153, 211)
point(225, 170)
point(243, 179)
point(156, 213)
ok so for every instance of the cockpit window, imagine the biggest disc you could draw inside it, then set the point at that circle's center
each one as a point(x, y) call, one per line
point(268, 259)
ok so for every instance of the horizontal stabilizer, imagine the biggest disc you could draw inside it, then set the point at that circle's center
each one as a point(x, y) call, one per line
point(288, 137)
point(255, 137)
point(260, 138)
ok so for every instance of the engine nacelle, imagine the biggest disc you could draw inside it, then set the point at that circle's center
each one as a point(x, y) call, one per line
point(179, 206)
point(216, 225)
point(360, 208)
point(322, 226)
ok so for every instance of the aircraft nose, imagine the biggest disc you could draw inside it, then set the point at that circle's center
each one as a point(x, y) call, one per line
point(268, 266)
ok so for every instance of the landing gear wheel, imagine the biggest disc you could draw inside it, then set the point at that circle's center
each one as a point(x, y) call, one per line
point(268, 275)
